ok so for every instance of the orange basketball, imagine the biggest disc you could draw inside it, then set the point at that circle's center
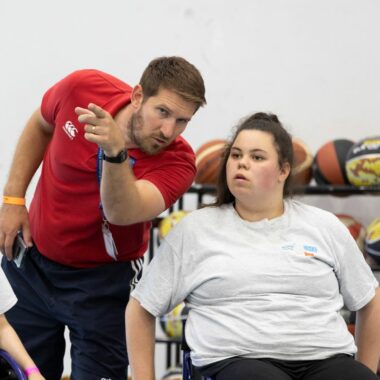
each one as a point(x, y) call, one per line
point(208, 160)
point(351, 328)
point(329, 162)
point(303, 160)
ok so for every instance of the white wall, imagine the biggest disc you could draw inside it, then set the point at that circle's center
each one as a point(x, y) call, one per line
point(314, 63)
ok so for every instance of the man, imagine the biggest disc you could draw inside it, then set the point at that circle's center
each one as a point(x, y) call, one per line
point(113, 159)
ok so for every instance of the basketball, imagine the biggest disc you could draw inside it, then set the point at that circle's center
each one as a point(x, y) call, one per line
point(363, 162)
point(173, 373)
point(357, 230)
point(208, 160)
point(329, 165)
point(302, 166)
point(167, 223)
point(172, 322)
point(372, 240)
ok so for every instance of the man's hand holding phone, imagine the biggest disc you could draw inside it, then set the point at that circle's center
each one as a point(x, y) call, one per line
point(19, 249)
point(12, 219)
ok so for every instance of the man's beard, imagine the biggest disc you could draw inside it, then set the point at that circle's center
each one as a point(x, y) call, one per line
point(146, 144)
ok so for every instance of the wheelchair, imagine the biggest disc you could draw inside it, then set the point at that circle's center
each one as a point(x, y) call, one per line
point(9, 369)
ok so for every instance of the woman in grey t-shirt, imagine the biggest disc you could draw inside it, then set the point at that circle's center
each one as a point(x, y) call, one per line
point(264, 278)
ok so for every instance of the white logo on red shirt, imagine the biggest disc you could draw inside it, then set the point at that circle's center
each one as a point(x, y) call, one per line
point(70, 129)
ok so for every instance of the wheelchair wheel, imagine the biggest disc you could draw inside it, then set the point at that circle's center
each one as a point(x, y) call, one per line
point(9, 369)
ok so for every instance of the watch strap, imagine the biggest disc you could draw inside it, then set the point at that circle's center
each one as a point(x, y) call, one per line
point(118, 159)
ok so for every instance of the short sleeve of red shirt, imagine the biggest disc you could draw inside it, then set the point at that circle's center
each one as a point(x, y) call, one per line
point(171, 171)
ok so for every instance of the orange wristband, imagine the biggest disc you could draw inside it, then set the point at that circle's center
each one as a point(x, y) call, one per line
point(13, 201)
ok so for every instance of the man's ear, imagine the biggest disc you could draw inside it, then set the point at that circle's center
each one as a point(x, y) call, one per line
point(137, 96)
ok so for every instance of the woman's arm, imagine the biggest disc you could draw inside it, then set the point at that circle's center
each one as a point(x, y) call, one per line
point(140, 329)
point(10, 342)
point(367, 333)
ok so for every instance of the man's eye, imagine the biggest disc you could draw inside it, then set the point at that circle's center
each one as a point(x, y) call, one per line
point(182, 122)
point(162, 111)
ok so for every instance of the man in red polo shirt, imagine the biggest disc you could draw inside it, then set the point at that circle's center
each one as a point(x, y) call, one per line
point(112, 159)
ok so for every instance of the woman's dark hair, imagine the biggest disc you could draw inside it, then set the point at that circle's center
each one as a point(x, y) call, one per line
point(268, 123)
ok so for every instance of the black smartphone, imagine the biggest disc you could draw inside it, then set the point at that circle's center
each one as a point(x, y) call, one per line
point(19, 249)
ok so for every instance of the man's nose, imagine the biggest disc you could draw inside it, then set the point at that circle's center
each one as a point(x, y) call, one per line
point(168, 128)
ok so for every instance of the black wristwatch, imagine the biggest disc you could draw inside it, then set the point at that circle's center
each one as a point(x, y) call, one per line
point(118, 159)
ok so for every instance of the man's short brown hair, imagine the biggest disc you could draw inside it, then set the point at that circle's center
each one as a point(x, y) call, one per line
point(175, 74)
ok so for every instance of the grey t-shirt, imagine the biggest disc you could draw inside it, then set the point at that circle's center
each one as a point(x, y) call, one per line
point(272, 288)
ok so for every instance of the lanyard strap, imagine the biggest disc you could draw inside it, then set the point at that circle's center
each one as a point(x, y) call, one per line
point(99, 169)
point(99, 166)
